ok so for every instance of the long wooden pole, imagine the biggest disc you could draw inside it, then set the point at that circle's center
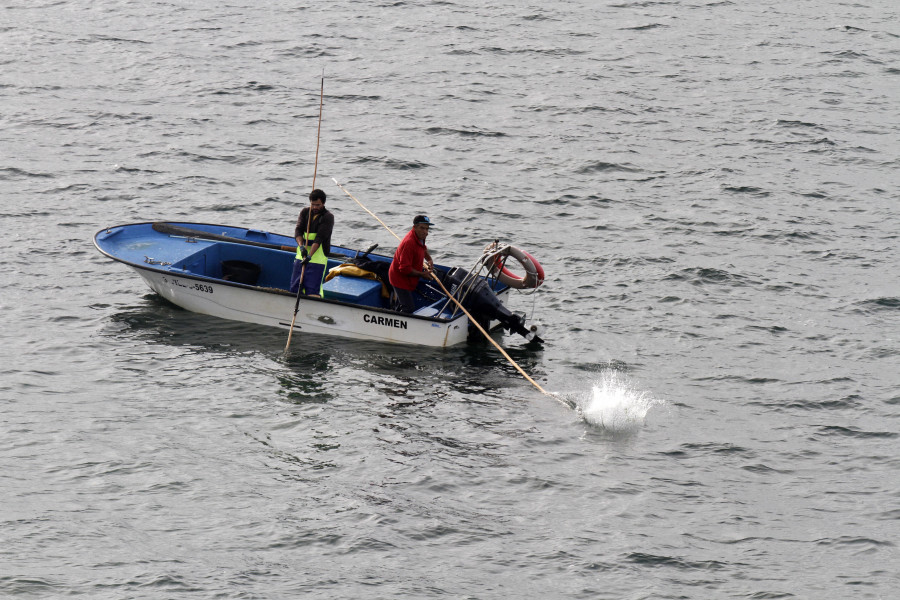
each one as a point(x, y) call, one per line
point(462, 308)
point(365, 209)
point(308, 215)
point(491, 340)
point(318, 131)
point(187, 232)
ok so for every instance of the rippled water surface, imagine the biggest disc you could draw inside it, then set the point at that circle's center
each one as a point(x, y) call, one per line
point(712, 188)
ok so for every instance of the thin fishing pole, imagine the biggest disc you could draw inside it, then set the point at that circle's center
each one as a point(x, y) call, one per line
point(309, 214)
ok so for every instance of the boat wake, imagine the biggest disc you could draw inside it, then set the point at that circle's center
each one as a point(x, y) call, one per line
point(616, 405)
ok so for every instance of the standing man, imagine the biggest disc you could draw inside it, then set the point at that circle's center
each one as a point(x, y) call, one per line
point(313, 245)
point(406, 268)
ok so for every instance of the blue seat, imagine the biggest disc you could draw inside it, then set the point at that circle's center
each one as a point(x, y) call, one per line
point(353, 289)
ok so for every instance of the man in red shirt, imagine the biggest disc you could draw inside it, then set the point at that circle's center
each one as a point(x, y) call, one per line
point(407, 267)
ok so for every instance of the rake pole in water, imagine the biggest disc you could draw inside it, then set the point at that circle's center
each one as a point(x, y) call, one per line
point(308, 216)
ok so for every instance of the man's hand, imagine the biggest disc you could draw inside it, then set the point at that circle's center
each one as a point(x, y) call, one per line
point(304, 253)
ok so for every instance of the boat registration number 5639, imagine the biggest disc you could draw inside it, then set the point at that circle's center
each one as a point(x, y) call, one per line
point(200, 287)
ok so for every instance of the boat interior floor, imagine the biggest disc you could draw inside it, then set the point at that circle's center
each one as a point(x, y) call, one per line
point(262, 267)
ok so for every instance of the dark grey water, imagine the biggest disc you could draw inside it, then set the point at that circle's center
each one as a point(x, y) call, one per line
point(712, 188)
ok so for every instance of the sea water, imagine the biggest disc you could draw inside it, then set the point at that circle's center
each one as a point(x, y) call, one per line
point(710, 187)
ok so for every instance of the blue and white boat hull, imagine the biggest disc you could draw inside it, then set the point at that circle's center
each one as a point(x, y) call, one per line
point(188, 272)
point(251, 305)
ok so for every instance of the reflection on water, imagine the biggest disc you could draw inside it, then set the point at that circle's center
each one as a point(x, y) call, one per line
point(157, 321)
point(315, 365)
point(305, 382)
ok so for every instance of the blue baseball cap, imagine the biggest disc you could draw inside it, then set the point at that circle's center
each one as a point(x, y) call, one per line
point(422, 219)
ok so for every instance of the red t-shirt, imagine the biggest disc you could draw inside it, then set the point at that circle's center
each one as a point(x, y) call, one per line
point(410, 255)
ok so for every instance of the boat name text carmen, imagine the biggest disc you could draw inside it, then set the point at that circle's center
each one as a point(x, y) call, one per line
point(386, 321)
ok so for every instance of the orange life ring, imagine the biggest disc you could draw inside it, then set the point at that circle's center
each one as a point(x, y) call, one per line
point(534, 272)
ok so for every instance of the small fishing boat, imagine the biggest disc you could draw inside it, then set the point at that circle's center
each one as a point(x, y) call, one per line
point(243, 275)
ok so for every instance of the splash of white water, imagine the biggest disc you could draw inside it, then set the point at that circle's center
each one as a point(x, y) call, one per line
point(616, 405)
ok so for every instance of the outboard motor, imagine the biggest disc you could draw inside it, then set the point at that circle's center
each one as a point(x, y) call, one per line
point(480, 300)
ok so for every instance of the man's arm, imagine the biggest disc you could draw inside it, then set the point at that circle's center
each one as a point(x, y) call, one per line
point(323, 234)
point(405, 264)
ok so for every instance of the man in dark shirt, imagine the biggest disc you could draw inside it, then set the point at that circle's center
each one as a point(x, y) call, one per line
point(313, 245)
